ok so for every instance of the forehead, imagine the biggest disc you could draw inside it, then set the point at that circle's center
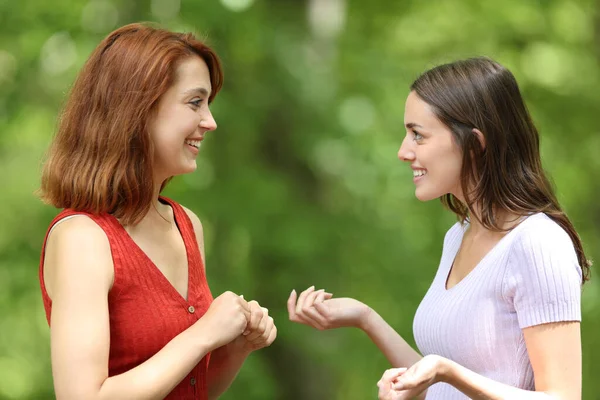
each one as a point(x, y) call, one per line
point(419, 112)
point(416, 108)
point(192, 72)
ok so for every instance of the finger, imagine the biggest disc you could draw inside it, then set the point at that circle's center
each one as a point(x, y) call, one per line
point(255, 317)
point(384, 389)
point(310, 299)
point(260, 340)
point(240, 299)
point(407, 394)
point(261, 325)
point(322, 308)
point(328, 296)
point(407, 380)
point(301, 299)
point(291, 305)
point(272, 335)
point(315, 319)
point(245, 310)
point(392, 374)
point(320, 297)
point(309, 314)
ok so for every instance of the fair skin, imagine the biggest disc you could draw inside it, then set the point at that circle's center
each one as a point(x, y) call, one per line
point(554, 349)
point(79, 273)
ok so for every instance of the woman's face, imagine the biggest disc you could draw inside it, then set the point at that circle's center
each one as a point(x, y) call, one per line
point(430, 149)
point(182, 120)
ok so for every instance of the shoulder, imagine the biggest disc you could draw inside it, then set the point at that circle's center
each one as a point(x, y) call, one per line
point(77, 251)
point(77, 230)
point(194, 219)
point(540, 236)
point(198, 230)
point(543, 278)
point(543, 252)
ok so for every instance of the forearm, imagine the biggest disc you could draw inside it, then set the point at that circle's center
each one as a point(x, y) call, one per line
point(479, 387)
point(225, 363)
point(392, 345)
point(156, 377)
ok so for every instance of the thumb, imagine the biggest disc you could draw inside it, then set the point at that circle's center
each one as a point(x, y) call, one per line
point(291, 304)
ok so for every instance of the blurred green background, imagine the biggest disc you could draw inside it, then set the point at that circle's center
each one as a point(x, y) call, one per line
point(301, 185)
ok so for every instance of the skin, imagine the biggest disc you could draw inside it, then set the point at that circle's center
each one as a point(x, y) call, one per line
point(554, 349)
point(78, 274)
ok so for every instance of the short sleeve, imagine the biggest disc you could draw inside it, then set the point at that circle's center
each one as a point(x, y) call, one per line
point(544, 276)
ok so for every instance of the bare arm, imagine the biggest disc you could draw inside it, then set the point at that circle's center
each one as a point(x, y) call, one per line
point(555, 353)
point(78, 274)
point(225, 364)
point(392, 345)
point(313, 308)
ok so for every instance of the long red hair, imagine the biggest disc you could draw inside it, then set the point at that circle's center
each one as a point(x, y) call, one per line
point(101, 158)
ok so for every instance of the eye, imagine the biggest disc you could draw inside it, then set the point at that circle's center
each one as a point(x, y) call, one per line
point(196, 103)
point(417, 136)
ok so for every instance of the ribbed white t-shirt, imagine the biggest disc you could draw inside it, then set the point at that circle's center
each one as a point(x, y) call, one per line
point(530, 277)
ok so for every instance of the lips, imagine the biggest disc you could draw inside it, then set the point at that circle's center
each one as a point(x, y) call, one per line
point(417, 173)
point(194, 142)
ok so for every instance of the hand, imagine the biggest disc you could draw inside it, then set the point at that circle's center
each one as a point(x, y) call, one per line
point(225, 319)
point(319, 310)
point(385, 384)
point(260, 331)
point(404, 384)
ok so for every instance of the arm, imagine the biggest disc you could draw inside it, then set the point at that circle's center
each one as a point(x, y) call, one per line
point(392, 345)
point(226, 361)
point(555, 353)
point(542, 282)
point(313, 308)
point(78, 273)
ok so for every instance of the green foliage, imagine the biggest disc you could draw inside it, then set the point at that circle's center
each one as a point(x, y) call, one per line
point(300, 184)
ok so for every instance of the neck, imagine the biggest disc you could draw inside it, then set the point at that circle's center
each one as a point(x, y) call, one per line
point(158, 211)
point(505, 221)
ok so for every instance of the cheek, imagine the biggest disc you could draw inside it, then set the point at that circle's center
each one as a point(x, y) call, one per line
point(446, 163)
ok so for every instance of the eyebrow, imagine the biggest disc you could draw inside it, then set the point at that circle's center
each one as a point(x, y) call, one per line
point(197, 90)
point(411, 125)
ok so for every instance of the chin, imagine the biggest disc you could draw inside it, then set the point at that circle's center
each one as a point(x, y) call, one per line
point(423, 195)
point(185, 169)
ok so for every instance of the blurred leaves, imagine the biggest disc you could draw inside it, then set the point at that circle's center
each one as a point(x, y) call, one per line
point(300, 185)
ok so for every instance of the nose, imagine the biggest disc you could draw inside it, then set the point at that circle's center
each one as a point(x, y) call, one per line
point(406, 152)
point(208, 122)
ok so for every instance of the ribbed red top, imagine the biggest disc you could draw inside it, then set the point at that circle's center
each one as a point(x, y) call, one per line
point(145, 310)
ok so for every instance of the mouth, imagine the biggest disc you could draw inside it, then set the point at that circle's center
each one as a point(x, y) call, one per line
point(418, 174)
point(194, 143)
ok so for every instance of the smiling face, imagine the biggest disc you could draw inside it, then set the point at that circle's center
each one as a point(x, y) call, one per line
point(430, 149)
point(182, 119)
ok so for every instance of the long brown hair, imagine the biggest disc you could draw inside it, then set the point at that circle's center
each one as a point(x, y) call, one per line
point(506, 173)
point(101, 158)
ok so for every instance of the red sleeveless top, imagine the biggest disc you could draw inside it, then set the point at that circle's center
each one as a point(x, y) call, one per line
point(145, 310)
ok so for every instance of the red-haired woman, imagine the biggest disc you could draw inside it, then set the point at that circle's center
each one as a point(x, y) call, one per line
point(122, 268)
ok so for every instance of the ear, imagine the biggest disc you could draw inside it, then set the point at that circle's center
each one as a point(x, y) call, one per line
point(480, 137)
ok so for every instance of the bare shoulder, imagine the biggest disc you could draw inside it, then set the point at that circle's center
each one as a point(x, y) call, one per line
point(195, 220)
point(77, 250)
point(197, 230)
